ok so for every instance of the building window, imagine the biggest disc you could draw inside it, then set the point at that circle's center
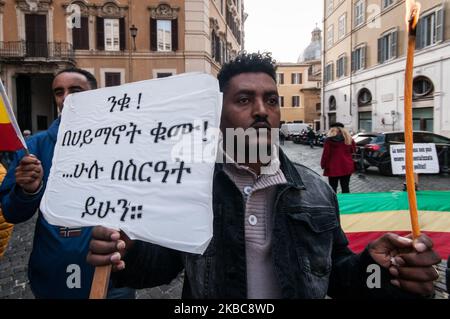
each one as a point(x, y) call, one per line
point(364, 97)
point(422, 87)
point(164, 35)
point(233, 24)
point(430, 29)
point(329, 74)
point(360, 16)
point(164, 28)
point(332, 103)
point(341, 67)
point(387, 3)
point(296, 101)
point(112, 35)
point(330, 6)
point(281, 101)
point(280, 78)
point(423, 119)
point(160, 75)
point(215, 47)
point(80, 36)
point(359, 59)
point(387, 47)
point(330, 36)
point(318, 107)
point(296, 78)
point(112, 79)
point(331, 118)
point(365, 121)
point(342, 30)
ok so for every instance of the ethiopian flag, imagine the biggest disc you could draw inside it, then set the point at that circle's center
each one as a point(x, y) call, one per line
point(365, 217)
point(11, 138)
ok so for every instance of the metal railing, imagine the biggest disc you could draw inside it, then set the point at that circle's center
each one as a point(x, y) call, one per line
point(26, 49)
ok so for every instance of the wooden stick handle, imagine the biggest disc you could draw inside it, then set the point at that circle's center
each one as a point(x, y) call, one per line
point(99, 288)
point(410, 180)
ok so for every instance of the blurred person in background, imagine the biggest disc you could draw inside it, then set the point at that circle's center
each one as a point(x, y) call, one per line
point(337, 161)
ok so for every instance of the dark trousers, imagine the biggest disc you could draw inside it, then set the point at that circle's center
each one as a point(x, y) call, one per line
point(345, 183)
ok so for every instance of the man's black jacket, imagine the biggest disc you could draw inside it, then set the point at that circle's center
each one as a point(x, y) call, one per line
point(310, 252)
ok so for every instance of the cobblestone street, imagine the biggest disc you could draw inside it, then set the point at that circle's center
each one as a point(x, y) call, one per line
point(13, 267)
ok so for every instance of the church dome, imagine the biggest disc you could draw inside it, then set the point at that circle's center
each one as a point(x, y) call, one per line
point(314, 50)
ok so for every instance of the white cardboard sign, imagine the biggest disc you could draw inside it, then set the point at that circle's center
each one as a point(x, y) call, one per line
point(425, 159)
point(113, 163)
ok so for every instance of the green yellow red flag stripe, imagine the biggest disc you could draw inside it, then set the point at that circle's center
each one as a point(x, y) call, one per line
point(365, 217)
point(10, 136)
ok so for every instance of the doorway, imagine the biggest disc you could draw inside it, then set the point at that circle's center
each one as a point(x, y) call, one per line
point(35, 106)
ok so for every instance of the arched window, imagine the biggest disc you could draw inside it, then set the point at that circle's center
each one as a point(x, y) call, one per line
point(332, 103)
point(364, 98)
point(422, 87)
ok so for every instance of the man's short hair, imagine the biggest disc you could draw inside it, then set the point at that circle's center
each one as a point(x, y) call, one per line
point(88, 75)
point(247, 63)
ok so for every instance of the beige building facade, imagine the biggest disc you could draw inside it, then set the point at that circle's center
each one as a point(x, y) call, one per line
point(299, 93)
point(299, 85)
point(119, 41)
point(364, 59)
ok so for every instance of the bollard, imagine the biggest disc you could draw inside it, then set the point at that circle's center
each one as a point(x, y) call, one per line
point(445, 167)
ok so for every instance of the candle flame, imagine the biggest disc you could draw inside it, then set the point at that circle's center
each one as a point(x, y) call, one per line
point(412, 14)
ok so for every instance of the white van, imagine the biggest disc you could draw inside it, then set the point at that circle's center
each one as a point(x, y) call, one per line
point(292, 129)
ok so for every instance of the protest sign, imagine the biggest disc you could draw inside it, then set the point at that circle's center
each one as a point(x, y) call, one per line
point(425, 159)
point(113, 163)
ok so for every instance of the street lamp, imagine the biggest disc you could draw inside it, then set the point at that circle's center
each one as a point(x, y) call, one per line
point(133, 31)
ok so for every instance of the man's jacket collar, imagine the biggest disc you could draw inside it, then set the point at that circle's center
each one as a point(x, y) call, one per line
point(287, 167)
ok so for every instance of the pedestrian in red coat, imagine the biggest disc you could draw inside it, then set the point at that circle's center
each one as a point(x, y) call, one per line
point(337, 160)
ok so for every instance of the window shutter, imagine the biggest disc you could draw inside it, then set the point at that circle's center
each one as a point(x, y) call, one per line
point(80, 36)
point(363, 57)
point(332, 72)
point(153, 35)
point(217, 48)
point(353, 61)
point(212, 45)
point(175, 35)
point(380, 50)
point(394, 47)
point(420, 34)
point(345, 65)
point(439, 25)
point(122, 38)
point(85, 33)
point(300, 75)
point(100, 34)
point(219, 51)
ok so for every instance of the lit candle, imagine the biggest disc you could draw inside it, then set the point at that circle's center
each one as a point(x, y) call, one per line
point(412, 18)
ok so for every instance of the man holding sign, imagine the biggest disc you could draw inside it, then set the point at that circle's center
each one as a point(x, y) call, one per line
point(276, 227)
point(57, 266)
